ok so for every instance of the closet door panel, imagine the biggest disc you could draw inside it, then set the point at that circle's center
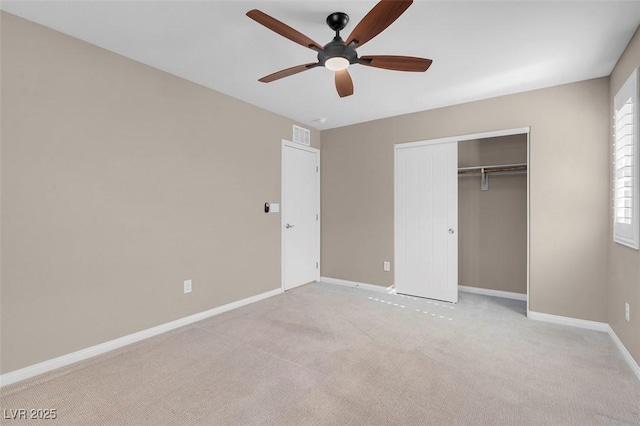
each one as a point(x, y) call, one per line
point(427, 220)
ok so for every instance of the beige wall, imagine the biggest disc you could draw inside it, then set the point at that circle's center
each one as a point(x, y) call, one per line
point(569, 195)
point(624, 262)
point(492, 224)
point(120, 181)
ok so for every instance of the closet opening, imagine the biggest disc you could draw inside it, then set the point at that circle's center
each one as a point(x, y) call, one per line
point(461, 216)
point(493, 216)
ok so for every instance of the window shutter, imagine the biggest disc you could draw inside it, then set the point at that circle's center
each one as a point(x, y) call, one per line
point(626, 211)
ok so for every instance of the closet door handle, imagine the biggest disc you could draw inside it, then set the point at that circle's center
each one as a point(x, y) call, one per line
point(451, 231)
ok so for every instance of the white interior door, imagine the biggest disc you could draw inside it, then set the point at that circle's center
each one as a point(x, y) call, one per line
point(427, 220)
point(300, 215)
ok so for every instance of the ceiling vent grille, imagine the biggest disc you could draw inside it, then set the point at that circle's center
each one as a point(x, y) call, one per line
point(301, 135)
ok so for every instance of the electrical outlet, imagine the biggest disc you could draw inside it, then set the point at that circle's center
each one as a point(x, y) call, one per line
point(187, 286)
point(386, 266)
point(626, 311)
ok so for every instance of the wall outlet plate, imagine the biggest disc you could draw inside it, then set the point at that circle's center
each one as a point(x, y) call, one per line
point(386, 266)
point(187, 286)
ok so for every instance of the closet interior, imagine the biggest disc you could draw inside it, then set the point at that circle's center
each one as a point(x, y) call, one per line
point(492, 213)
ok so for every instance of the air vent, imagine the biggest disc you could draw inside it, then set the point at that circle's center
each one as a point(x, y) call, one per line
point(301, 135)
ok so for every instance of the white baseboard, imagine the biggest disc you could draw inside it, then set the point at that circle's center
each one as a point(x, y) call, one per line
point(364, 286)
point(625, 353)
point(83, 354)
point(573, 322)
point(494, 293)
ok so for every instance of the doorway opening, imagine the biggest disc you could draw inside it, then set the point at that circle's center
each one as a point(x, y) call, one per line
point(492, 216)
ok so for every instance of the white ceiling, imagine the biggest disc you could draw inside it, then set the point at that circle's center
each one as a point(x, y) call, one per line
point(480, 49)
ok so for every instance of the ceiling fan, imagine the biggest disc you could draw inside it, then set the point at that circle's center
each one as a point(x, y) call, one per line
point(338, 54)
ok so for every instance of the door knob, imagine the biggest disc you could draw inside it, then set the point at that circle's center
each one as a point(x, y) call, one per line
point(289, 226)
point(451, 230)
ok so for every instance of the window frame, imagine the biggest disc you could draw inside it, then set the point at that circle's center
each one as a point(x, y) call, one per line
point(627, 234)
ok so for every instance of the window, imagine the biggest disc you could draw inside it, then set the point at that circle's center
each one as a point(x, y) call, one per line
point(626, 159)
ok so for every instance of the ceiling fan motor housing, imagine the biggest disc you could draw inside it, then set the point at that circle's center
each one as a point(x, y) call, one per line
point(337, 47)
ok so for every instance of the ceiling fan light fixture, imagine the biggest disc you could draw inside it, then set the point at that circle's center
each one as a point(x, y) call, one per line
point(337, 63)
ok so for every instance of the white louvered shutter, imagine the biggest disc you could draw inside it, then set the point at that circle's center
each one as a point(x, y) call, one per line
point(625, 164)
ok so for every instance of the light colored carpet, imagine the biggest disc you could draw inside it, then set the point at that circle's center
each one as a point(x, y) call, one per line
point(324, 354)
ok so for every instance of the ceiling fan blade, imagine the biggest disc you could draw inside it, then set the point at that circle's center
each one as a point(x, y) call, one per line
point(287, 72)
point(283, 29)
point(344, 84)
point(380, 17)
point(396, 63)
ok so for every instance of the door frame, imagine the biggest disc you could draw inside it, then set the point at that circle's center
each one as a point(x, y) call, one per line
point(288, 144)
point(462, 138)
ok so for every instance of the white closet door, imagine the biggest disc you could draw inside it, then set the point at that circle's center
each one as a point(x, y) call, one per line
point(427, 221)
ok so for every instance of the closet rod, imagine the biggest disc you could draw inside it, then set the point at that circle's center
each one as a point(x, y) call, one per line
point(493, 168)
